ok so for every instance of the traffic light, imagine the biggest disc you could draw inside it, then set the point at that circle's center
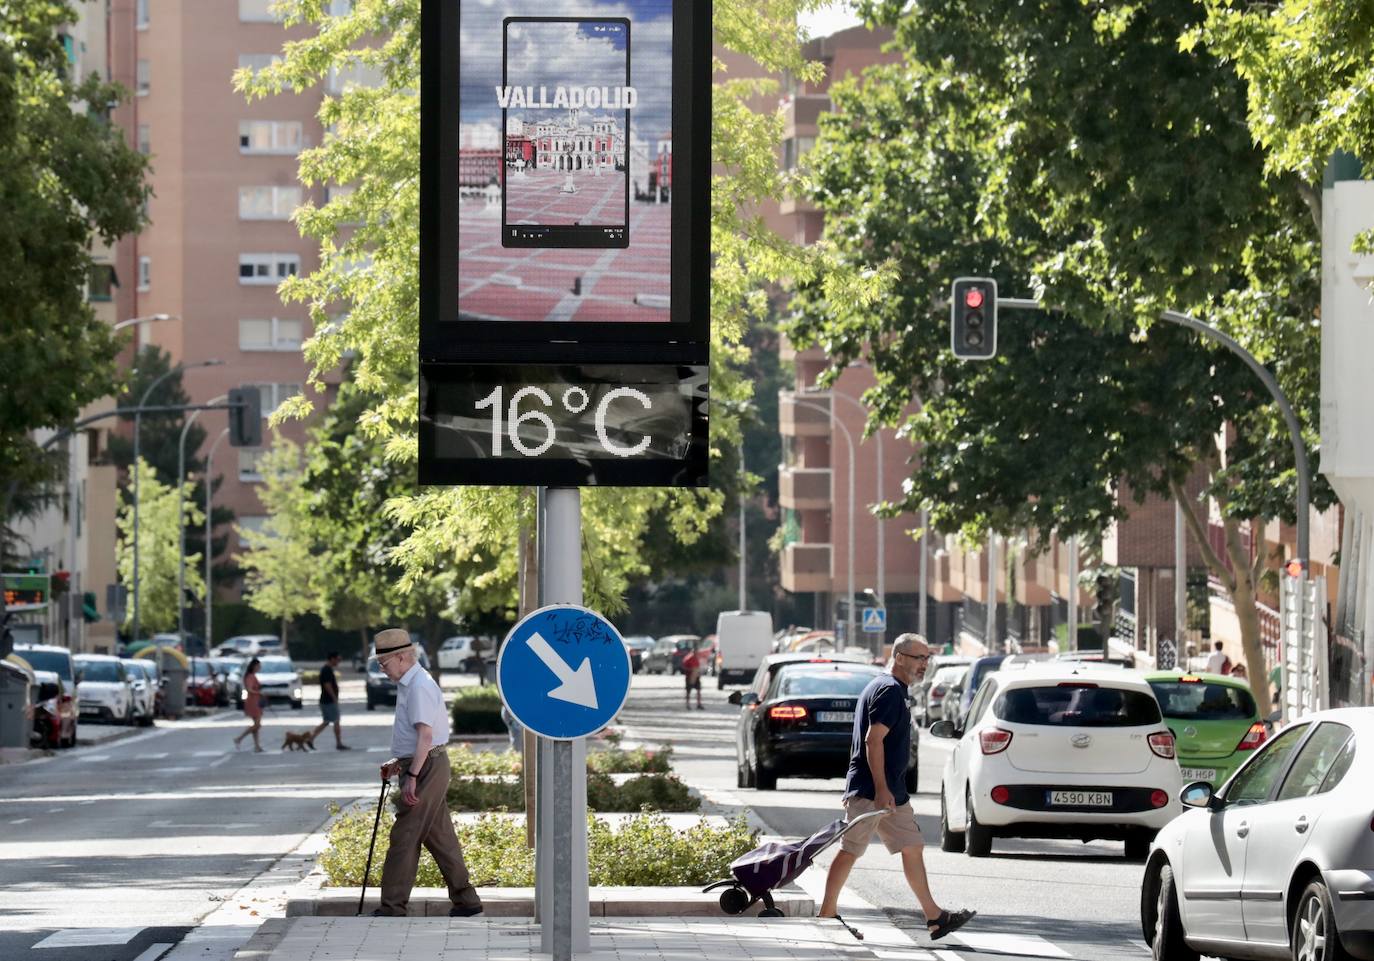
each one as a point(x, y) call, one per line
point(245, 417)
point(973, 318)
point(1295, 568)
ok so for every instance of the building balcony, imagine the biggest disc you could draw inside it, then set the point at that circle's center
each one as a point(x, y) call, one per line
point(804, 488)
point(806, 568)
point(791, 206)
point(788, 352)
point(809, 418)
point(800, 113)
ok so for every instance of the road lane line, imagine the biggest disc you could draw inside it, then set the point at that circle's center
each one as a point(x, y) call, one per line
point(21, 820)
point(151, 757)
point(946, 955)
point(56, 810)
point(154, 951)
point(89, 758)
point(88, 937)
point(1017, 945)
point(202, 754)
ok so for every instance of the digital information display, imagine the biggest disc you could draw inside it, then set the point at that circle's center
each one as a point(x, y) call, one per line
point(582, 424)
point(22, 590)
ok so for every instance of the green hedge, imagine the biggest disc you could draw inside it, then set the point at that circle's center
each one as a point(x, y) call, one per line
point(645, 850)
point(656, 792)
point(477, 710)
point(465, 762)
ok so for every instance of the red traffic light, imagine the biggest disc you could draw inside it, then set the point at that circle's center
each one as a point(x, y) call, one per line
point(1294, 568)
point(973, 297)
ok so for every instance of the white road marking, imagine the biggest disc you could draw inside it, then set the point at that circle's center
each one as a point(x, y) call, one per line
point(21, 820)
point(1023, 945)
point(944, 955)
point(175, 770)
point(378, 750)
point(154, 951)
point(56, 810)
point(204, 754)
point(94, 757)
point(151, 757)
point(188, 824)
point(87, 937)
point(215, 764)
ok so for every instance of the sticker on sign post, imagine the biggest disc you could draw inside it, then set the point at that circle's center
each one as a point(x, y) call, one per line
point(564, 672)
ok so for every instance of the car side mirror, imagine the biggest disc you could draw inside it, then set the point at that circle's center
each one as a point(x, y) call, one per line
point(80, 676)
point(944, 729)
point(734, 698)
point(1198, 795)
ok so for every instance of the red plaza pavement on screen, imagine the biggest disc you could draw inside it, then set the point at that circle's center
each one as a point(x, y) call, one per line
point(617, 284)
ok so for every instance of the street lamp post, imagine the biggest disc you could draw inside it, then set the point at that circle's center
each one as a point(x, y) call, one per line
point(150, 319)
point(742, 598)
point(138, 429)
point(181, 524)
point(849, 442)
point(209, 498)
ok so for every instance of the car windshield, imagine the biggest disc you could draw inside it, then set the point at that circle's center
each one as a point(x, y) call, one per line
point(103, 671)
point(1203, 701)
point(200, 667)
point(802, 682)
point(56, 661)
point(275, 665)
point(949, 675)
point(1077, 704)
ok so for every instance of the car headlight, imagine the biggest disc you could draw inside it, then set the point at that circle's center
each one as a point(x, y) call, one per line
point(296, 694)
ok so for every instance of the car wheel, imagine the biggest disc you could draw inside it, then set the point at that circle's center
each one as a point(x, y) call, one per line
point(1138, 846)
point(741, 779)
point(764, 779)
point(1315, 936)
point(371, 704)
point(297, 705)
point(1162, 922)
point(720, 682)
point(978, 838)
point(952, 841)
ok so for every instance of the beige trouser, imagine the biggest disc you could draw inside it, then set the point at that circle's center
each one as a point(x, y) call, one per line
point(427, 823)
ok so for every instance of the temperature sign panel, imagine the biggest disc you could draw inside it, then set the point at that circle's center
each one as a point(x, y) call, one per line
point(617, 425)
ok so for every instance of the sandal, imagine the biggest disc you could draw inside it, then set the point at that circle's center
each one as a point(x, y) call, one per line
point(948, 923)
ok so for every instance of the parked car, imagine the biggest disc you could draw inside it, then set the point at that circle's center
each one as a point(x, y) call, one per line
point(1277, 863)
point(103, 688)
point(280, 680)
point(229, 670)
point(382, 689)
point(979, 669)
point(935, 689)
point(639, 646)
point(682, 643)
point(1059, 751)
point(143, 681)
point(250, 645)
point(54, 711)
point(456, 654)
point(659, 660)
point(192, 645)
point(205, 685)
point(745, 639)
point(800, 723)
point(1214, 719)
point(59, 661)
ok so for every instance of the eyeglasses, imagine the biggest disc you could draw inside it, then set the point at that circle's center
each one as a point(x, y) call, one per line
point(914, 657)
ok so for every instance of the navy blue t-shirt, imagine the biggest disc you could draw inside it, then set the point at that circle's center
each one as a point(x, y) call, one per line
point(883, 701)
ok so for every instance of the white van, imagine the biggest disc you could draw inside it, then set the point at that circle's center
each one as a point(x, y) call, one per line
point(744, 639)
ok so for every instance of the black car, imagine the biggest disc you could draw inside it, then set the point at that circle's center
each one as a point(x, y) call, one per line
point(382, 689)
point(978, 670)
point(798, 719)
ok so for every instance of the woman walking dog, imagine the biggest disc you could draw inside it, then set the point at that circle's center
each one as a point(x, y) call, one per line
point(252, 704)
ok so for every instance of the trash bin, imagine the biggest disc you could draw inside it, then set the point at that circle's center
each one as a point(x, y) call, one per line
point(173, 668)
point(15, 722)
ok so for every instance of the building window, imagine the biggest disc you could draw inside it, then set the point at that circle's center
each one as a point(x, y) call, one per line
point(268, 269)
point(248, 463)
point(279, 333)
point(141, 14)
point(340, 8)
point(252, 523)
point(145, 273)
point(354, 75)
point(258, 11)
point(102, 282)
point(274, 395)
point(141, 77)
point(794, 149)
point(268, 203)
point(145, 139)
point(270, 136)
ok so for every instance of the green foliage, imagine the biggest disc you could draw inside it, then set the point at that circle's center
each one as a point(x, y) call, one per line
point(159, 550)
point(644, 850)
point(465, 762)
point(655, 792)
point(279, 571)
point(66, 176)
point(477, 710)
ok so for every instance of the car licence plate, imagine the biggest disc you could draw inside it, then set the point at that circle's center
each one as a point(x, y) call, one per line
point(1090, 799)
point(1208, 774)
point(835, 717)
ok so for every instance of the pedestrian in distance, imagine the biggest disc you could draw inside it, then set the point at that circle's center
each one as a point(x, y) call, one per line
point(252, 704)
point(419, 742)
point(1217, 661)
point(879, 753)
point(691, 670)
point(329, 700)
point(1238, 670)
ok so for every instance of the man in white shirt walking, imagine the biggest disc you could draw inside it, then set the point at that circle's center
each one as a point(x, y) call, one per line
point(419, 738)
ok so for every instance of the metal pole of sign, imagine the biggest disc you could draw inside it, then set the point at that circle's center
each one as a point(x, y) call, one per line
point(993, 647)
point(537, 805)
point(1180, 585)
point(566, 929)
point(925, 555)
point(1072, 634)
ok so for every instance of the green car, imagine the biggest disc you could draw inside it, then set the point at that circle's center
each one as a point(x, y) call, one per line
point(1214, 719)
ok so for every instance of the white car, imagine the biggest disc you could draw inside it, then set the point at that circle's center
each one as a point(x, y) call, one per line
point(250, 645)
point(280, 680)
point(456, 654)
point(143, 681)
point(1279, 862)
point(1060, 751)
point(103, 689)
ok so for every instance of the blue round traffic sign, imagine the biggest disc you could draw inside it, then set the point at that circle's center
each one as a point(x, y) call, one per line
point(564, 672)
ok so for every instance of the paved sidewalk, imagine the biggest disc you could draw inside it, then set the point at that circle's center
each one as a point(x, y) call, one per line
point(444, 939)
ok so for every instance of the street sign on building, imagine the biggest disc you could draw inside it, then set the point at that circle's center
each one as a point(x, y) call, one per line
point(565, 258)
point(564, 672)
point(875, 620)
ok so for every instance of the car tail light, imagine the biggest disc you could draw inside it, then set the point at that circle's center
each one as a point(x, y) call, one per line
point(1158, 798)
point(1078, 684)
point(1253, 738)
point(819, 660)
point(1000, 794)
point(994, 741)
point(1163, 745)
point(787, 712)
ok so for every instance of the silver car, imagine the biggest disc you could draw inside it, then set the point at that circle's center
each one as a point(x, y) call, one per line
point(1279, 862)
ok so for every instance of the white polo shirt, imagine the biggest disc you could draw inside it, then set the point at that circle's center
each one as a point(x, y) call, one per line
point(418, 701)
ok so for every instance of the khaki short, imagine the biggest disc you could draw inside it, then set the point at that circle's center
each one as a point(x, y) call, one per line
point(897, 830)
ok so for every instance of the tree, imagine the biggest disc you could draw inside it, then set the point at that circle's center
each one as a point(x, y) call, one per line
point(279, 571)
point(159, 551)
point(65, 174)
point(1066, 151)
point(364, 296)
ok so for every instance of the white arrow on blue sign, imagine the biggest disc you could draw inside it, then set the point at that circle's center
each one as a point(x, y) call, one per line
point(875, 620)
point(564, 672)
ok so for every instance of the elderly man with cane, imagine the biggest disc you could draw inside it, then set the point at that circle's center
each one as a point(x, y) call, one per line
point(419, 737)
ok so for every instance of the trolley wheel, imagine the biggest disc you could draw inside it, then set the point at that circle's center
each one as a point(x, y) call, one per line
point(734, 900)
point(771, 913)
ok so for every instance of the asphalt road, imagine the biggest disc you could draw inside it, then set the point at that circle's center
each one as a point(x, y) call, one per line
point(134, 843)
point(1035, 898)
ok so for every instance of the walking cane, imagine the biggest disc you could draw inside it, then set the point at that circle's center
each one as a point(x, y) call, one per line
point(386, 782)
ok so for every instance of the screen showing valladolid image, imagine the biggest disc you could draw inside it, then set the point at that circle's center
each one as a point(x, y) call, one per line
point(565, 160)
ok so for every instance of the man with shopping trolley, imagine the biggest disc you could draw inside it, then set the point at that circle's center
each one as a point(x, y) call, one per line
point(876, 781)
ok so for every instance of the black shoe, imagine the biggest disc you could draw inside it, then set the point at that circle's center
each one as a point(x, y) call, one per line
point(384, 913)
point(461, 912)
point(342, 747)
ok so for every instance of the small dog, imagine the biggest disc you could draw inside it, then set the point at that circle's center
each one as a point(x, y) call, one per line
point(299, 741)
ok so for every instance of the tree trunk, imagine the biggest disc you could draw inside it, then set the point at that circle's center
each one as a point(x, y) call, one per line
point(1253, 647)
point(362, 657)
point(430, 642)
